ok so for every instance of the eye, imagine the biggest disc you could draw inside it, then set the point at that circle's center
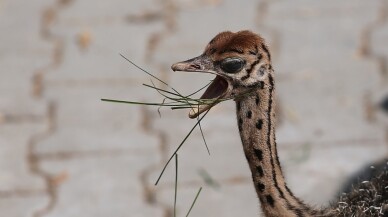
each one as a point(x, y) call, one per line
point(232, 65)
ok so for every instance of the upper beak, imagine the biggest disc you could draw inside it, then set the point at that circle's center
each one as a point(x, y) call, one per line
point(196, 64)
point(216, 90)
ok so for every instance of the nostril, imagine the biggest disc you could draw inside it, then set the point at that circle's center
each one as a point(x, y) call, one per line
point(195, 66)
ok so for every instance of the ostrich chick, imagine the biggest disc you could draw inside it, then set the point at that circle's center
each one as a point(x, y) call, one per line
point(241, 62)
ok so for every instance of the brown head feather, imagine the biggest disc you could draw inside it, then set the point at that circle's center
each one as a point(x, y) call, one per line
point(239, 42)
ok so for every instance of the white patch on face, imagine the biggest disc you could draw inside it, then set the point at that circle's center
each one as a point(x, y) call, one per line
point(259, 73)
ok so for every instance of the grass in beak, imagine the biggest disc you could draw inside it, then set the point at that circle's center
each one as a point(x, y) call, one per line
point(174, 100)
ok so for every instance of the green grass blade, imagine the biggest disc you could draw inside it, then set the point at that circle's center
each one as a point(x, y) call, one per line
point(203, 137)
point(143, 70)
point(180, 100)
point(176, 182)
point(180, 107)
point(195, 200)
point(200, 129)
point(160, 114)
point(199, 89)
point(180, 145)
point(139, 103)
point(159, 89)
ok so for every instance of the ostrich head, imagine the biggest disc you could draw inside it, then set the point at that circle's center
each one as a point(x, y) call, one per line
point(240, 61)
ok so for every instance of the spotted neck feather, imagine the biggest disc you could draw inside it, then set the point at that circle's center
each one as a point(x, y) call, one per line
point(256, 122)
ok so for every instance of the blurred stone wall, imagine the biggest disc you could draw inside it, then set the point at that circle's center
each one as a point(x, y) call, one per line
point(65, 153)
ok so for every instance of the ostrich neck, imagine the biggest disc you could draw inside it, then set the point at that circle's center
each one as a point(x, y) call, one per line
point(256, 122)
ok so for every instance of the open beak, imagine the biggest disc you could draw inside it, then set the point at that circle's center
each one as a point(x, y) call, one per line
point(217, 89)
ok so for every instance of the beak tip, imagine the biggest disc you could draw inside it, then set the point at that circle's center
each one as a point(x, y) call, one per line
point(174, 67)
point(192, 116)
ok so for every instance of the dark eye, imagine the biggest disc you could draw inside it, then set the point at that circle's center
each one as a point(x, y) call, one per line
point(232, 65)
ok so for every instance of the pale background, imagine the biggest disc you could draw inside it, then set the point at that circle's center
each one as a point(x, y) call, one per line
point(64, 153)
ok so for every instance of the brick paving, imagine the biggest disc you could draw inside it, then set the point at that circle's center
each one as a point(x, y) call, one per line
point(63, 152)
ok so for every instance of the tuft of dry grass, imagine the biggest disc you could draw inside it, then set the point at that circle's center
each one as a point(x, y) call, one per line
point(174, 100)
